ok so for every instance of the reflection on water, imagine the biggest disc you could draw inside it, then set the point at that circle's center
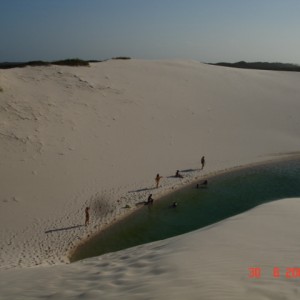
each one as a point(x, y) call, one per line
point(226, 195)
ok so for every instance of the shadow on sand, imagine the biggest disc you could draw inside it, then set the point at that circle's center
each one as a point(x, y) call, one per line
point(190, 170)
point(65, 228)
point(142, 190)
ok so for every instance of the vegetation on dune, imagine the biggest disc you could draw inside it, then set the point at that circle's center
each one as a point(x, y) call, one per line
point(274, 66)
point(122, 57)
point(73, 62)
point(37, 63)
point(95, 61)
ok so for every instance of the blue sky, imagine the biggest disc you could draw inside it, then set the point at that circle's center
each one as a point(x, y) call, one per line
point(204, 30)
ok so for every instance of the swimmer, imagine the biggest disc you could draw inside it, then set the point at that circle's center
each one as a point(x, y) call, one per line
point(202, 185)
point(173, 205)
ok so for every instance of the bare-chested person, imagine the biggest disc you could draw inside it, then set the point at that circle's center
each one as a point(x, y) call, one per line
point(157, 179)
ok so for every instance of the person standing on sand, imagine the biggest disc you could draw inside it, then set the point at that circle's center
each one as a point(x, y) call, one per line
point(87, 216)
point(157, 179)
point(202, 162)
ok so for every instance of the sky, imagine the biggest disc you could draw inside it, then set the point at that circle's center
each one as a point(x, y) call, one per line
point(204, 30)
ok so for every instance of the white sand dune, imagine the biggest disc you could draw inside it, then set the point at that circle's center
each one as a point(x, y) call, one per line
point(97, 136)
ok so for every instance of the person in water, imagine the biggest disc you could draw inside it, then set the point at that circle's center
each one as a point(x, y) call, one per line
point(87, 216)
point(173, 205)
point(157, 179)
point(203, 184)
point(178, 175)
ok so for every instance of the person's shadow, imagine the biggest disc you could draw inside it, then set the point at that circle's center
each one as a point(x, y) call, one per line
point(142, 190)
point(190, 170)
point(65, 228)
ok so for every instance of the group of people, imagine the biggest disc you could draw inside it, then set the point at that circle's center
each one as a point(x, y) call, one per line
point(177, 174)
point(150, 200)
point(203, 184)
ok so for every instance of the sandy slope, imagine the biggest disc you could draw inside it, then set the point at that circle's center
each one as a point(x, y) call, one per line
point(72, 137)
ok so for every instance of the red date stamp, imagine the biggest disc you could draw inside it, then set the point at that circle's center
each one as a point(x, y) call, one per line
point(255, 272)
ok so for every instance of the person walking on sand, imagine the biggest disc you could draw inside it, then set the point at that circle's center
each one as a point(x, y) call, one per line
point(157, 179)
point(87, 216)
point(202, 162)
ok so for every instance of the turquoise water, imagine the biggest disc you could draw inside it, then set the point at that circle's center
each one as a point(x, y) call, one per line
point(227, 195)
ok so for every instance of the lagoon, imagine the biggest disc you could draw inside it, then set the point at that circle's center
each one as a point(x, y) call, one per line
point(227, 194)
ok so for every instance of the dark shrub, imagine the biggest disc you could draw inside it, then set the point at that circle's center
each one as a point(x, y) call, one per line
point(74, 62)
point(121, 57)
